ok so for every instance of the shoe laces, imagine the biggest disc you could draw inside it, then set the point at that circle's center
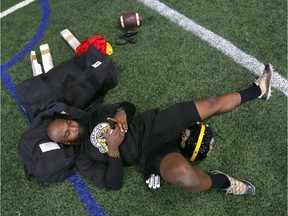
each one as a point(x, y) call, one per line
point(237, 187)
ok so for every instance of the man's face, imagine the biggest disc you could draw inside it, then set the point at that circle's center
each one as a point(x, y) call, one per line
point(65, 131)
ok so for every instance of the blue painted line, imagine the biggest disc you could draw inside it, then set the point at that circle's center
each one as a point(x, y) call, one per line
point(78, 184)
point(90, 204)
point(40, 31)
point(10, 86)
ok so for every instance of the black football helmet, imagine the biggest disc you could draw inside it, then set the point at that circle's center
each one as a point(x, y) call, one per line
point(197, 141)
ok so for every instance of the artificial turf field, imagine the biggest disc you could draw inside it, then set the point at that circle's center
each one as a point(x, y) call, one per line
point(168, 64)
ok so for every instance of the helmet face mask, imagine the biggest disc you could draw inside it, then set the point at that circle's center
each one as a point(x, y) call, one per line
point(197, 141)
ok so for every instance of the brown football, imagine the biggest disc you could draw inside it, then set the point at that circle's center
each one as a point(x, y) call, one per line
point(130, 20)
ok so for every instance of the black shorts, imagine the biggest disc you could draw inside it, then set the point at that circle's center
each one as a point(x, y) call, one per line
point(166, 135)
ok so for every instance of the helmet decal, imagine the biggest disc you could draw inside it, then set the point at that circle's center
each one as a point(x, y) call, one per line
point(185, 136)
point(211, 145)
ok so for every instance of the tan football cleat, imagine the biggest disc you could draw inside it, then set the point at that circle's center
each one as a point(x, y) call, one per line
point(238, 187)
point(264, 82)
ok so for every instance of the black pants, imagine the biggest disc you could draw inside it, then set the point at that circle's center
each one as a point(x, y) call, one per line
point(166, 135)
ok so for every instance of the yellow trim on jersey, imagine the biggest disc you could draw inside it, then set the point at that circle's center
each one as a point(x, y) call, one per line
point(200, 138)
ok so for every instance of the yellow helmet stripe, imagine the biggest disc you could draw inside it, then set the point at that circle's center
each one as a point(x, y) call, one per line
point(200, 138)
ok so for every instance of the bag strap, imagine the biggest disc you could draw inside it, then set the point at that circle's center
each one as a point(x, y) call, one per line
point(28, 175)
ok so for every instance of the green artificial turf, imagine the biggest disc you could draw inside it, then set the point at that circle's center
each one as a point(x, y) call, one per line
point(167, 65)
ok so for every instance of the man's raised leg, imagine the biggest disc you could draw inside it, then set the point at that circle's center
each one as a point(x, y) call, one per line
point(260, 88)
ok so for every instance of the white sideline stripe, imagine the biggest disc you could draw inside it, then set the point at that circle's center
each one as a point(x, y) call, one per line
point(217, 42)
point(15, 7)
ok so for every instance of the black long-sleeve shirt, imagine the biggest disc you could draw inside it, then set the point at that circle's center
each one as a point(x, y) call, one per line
point(106, 171)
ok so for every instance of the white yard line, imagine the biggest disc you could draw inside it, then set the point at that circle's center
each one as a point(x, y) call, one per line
point(247, 61)
point(15, 7)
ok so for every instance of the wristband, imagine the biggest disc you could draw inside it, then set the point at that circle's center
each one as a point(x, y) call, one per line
point(117, 154)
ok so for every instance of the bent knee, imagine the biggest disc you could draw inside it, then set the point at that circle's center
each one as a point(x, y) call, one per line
point(182, 175)
point(187, 178)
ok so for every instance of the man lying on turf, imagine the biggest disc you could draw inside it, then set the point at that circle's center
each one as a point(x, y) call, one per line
point(152, 140)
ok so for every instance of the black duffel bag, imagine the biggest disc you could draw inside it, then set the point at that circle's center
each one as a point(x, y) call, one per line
point(78, 82)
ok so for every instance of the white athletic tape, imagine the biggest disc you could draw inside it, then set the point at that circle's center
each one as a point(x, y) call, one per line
point(70, 38)
point(46, 57)
point(36, 68)
point(153, 181)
